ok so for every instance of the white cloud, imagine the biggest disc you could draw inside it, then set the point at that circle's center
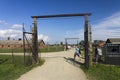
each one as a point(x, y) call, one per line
point(44, 37)
point(16, 26)
point(10, 33)
point(15, 34)
point(3, 22)
point(109, 27)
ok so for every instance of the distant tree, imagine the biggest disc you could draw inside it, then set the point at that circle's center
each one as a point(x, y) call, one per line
point(82, 42)
point(61, 43)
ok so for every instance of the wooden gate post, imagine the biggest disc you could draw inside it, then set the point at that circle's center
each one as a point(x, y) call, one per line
point(35, 43)
point(66, 45)
point(86, 42)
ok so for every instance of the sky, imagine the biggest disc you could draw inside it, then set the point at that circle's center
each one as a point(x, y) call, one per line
point(105, 19)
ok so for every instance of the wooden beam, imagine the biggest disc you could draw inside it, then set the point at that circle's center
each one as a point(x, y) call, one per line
point(61, 15)
point(28, 32)
point(86, 42)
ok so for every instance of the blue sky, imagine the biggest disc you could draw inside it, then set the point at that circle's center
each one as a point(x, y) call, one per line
point(105, 18)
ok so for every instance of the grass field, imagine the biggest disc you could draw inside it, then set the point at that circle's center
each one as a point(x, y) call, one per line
point(10, 70)
point(47, 49)
point(52, 49)
point(102, 72)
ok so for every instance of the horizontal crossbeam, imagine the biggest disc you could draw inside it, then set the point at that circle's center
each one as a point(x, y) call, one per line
point(61, 15)
point(27, 32)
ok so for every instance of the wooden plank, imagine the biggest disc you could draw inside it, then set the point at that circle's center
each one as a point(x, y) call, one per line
point(61, 15)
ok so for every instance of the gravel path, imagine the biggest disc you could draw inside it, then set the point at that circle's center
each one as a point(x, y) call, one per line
point(57, 66)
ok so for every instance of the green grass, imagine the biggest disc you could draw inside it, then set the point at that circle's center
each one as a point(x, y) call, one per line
point(52, 49)
point(102, 72)
point(10, 70)
point(47, 49)
point(11, 50)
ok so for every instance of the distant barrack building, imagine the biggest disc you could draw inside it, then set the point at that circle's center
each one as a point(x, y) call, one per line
point(112, 51)
point(13, 44)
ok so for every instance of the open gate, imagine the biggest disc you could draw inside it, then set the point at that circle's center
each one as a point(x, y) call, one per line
point(27, 47)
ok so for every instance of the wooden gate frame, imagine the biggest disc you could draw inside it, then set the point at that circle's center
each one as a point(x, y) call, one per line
point(69, 39)
point(35, 39)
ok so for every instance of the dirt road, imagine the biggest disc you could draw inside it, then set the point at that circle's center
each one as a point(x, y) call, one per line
point(57, 66)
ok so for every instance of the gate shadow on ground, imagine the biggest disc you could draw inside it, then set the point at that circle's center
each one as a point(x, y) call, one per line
point(73, 62)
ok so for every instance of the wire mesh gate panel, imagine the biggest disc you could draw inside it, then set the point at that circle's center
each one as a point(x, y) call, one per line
point(27, 47)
